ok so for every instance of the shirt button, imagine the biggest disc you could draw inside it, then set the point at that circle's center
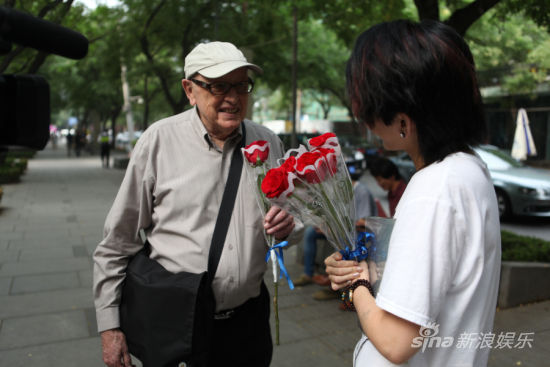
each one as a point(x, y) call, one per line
point(230, 246)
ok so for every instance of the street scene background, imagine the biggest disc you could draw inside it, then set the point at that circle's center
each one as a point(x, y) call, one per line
point(120, 69)
point(51, 222)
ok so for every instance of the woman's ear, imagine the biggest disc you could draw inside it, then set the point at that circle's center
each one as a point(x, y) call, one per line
point(405, 124)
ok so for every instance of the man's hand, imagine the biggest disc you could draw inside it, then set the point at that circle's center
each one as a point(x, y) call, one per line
point(115, 350)
point(278, 223)
point(343, 272)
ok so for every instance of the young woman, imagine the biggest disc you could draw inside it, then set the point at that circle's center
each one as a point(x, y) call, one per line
point(414, 85)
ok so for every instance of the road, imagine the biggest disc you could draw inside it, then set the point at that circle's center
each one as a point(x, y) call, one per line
point(534, 227)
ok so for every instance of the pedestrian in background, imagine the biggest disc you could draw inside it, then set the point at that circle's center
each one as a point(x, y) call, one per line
point(387, 176)
point(69, 140)
point(79, 141)
point(105, 148)
point(414, 85)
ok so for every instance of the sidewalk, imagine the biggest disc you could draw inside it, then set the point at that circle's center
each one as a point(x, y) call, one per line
point(50, 224)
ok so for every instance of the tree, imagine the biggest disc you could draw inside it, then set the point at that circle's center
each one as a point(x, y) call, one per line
point(21, 59)
point(91, 88)
point(508, 37)
point(510, 51)
point(166, 31)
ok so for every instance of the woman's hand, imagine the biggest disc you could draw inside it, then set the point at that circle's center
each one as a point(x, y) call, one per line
point(343, 272)
point(365, 273)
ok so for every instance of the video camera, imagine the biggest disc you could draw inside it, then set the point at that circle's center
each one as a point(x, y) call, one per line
point(25, 99)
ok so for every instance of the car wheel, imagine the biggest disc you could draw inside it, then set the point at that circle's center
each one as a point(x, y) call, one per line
point(504, 206)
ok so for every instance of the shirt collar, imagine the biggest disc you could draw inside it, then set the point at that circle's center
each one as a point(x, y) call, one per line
point(199, 128)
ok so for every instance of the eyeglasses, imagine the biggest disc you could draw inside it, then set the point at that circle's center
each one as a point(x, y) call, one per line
point(221, 88)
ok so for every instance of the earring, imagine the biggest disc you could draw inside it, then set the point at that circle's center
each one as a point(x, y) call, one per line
point(402, 134)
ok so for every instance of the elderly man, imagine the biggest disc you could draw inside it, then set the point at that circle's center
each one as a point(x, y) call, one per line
point(172, 191)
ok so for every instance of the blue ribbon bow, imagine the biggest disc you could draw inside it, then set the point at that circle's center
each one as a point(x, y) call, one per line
point(361, 252)
point(278, 248)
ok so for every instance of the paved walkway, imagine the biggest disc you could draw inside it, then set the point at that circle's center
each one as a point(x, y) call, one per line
point(51, 222)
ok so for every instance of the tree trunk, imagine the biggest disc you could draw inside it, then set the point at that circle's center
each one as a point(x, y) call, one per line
point(145, 116)
point(427, 9)
point(177, 105)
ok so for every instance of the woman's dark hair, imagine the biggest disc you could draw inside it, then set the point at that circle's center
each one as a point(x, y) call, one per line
point(426, 71)
point(385, 168)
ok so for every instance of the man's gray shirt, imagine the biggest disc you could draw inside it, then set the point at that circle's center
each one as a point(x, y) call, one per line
point(172, 189)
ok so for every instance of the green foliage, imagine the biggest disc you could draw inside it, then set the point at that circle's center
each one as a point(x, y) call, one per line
point(25, 60)
point(510, 50)
point(152, 38)
point(19, 163)
point(349, 18)
point(20, 153)
point(522, 248)
point(14, 165)
point(9, 174)
point(93, 83)
point(537, 10)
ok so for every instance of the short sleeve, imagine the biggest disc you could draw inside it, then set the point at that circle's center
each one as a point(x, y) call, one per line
point(419, 266)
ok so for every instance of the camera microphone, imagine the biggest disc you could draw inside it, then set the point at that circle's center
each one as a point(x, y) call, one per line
point(40, 34)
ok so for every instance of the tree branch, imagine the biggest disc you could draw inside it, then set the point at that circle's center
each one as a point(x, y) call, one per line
point(144, 42)
point(6, 61)
point(463, 18)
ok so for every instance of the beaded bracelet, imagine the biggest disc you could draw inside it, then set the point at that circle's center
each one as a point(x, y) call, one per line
point(348, 303)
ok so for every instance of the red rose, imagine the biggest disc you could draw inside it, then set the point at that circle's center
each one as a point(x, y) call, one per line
point(325, 139)
point(311, 167)
point(275, 183)
point(330, 158)
point(289, 165)
point(257, 152)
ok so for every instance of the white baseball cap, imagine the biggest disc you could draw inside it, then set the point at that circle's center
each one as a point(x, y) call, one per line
point(215, 59)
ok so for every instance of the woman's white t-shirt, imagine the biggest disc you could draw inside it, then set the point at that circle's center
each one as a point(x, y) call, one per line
point(443, 265)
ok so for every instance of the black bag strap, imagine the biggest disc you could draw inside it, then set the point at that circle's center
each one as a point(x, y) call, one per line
point(226, 208)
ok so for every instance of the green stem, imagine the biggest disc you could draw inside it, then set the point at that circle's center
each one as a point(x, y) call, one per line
point(334, 214)
point(276, 308)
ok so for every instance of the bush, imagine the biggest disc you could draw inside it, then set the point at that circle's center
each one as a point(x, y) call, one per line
point(19, 163)
point(522, 248)
point(21, 153)
point(9, 174)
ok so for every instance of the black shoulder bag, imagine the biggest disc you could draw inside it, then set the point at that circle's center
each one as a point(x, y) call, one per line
point(168, 318)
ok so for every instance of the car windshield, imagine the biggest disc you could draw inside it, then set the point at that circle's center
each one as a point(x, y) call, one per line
point(497, 159)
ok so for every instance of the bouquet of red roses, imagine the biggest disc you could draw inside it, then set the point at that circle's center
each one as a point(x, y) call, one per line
point(314, 185)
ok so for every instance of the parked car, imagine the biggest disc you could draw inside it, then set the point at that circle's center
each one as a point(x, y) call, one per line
point(357, 152)
point(122, 140)
point(520, 189)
